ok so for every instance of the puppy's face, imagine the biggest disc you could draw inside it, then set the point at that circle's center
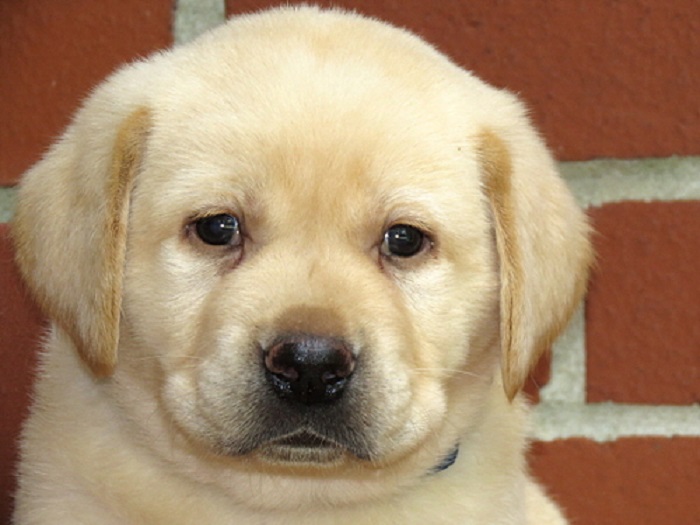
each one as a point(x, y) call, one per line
point(309, 257)
point(311, 277)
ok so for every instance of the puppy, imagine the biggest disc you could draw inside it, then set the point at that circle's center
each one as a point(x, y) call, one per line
point(297, 271)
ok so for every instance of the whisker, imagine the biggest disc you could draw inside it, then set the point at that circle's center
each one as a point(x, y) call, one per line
point(194, 358)
point(450, 371)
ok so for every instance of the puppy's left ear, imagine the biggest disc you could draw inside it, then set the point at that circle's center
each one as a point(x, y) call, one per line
point(542, 243)
point(70, 228)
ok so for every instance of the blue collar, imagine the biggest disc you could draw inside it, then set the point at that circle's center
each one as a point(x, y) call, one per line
point(446, 462)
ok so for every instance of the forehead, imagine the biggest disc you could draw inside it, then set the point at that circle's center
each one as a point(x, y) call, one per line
point(335, 165)
point(303, 124)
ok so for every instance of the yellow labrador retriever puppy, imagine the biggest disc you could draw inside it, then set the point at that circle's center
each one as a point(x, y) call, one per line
point(297, 273)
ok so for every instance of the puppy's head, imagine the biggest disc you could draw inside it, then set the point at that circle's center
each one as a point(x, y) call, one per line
point(308, 256)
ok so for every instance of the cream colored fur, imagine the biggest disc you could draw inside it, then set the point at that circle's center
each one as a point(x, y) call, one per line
point(319, 130)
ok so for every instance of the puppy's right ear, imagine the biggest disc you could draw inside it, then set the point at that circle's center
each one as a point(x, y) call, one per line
point(70, 230)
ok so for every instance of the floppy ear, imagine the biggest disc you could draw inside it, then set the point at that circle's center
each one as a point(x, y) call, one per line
point(70, 230)
point(542, 243)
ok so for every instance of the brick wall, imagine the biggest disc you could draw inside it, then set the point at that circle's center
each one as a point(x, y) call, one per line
point(617, 425)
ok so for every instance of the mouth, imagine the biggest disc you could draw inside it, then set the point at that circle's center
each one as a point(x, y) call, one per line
point(302, 447)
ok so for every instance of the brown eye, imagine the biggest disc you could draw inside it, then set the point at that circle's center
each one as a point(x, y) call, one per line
point(402, 240)
point(219, 230)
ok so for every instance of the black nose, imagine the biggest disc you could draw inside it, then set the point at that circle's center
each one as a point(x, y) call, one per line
point(309, 369)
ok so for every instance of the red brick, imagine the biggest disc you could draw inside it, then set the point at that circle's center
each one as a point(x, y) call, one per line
point(607, 79)
point(643, 308)
point(631, 481)
point(20, 329)
point(51, 55)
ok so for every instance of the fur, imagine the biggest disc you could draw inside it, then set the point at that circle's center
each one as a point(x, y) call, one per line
point(318, 130)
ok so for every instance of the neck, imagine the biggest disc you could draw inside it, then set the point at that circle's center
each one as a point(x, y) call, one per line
point(446, 462)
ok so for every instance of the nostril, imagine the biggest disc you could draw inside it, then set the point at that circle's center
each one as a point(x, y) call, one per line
point(330, 377)
point(280, 360)
point(309, 369)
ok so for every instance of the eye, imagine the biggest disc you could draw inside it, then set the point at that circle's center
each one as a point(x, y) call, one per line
point(219, 230)
point(402, 240)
